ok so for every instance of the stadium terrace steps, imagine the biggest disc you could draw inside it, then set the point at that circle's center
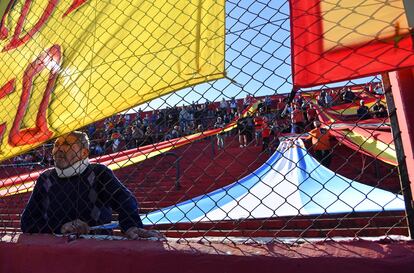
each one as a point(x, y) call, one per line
point(201, 171)
point(290, 233)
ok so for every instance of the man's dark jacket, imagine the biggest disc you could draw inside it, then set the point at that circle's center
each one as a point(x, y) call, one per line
point(89, 196)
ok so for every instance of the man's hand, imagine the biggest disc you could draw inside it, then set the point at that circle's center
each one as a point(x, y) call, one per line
point(135, 233)
point(76, 226)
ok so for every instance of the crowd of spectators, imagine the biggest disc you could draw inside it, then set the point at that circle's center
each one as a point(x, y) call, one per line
point(275, 116)
point(143, 128)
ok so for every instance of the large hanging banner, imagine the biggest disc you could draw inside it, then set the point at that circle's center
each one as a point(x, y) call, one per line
point(66, 64)
point(334, 40)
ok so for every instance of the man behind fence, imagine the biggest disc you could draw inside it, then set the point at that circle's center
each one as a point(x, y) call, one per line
point(321, 143)
point(77, 195)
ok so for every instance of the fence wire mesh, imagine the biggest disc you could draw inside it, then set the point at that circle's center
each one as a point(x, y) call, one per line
point(238, 158)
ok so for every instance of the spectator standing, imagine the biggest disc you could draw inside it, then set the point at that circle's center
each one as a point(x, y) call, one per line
point(233, 107)
point(175, 133)
point(137, 135)
point(280, 107)
point(258, 126)
point(298, 120)
point(242, 129)
point(223, 107)
point(328, 99)
point(76, 195)
point(149, 135)
point(311, 113)
point(321, 143)
point(145, 121)
point(116, 138)
point(378, 90)
point(276, 131)
point(348, 96)
point(220, 136)
point(266, 131)
point(92, 130)
point(246, 101)
point(249, 127)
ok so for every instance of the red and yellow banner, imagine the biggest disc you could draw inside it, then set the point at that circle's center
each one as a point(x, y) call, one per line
point(334, 40)
point(65, 64)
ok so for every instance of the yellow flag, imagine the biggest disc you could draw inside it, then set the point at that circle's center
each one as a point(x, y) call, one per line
point(65, 64)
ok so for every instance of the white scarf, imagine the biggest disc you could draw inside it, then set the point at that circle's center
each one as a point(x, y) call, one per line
point(75, 169)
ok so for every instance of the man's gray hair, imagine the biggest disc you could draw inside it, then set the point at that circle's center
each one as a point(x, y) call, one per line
point(82, 137)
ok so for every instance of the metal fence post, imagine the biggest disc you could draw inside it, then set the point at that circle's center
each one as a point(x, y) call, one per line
point(177, 183)
point(402, 167)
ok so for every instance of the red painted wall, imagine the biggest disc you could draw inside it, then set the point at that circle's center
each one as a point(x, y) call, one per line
point(46, 253)
point(402, 82)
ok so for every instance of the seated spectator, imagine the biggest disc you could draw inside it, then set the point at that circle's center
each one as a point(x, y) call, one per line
point(379, 110)
point(363, 111)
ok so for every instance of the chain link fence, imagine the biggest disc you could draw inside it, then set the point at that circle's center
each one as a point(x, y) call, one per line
point(239, 158)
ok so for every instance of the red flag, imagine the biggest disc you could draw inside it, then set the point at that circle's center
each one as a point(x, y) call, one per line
point(334, 40)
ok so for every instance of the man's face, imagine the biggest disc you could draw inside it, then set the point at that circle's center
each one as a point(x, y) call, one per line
point(67, 151)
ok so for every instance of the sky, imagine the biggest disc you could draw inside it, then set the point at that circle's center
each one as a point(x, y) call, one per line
point(257, 56)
